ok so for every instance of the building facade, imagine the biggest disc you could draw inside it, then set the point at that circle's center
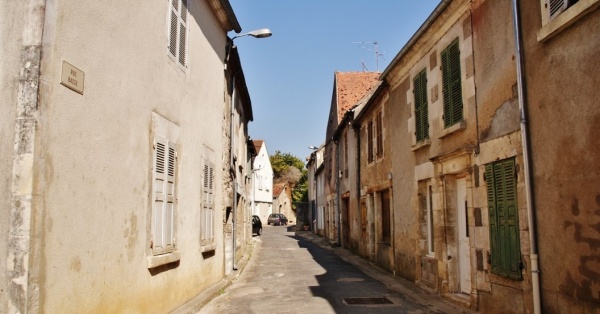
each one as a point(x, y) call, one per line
point(263, 182)
point(113, 128)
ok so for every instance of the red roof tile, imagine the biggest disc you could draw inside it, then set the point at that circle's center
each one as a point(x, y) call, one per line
point(351, 87)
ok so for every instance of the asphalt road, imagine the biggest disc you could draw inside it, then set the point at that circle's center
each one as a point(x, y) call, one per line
point(290, 274)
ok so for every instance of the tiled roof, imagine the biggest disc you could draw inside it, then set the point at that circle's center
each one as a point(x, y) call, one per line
point(278, 188)
point(257, 145)
point(351, 87)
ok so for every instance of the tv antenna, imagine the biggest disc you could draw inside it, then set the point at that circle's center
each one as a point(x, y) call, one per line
point(375, 50)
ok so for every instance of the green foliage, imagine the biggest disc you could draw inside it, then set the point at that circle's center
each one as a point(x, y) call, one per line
point(296, 178)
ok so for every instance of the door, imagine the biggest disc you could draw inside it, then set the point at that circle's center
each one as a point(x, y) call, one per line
point(464, 260)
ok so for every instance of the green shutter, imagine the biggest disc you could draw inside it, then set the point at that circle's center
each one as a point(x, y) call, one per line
point(421, 114)
point(503, 219)
point(451, 84)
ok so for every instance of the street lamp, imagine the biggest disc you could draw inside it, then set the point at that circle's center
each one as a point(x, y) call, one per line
point(312, 147)
point(258, 33)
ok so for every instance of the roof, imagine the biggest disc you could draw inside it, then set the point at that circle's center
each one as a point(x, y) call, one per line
point(350, 87)
point(278, 188)
point(257, 145)
point(225, 15)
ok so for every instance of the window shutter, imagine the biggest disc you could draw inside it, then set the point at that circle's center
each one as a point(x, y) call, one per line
point(451, 82)
point(370, 141)
point(163, 195)
point(556, 7)
point(503, 219)
point(207, 202)
point(178, 30)
point(421, 113)
point(379, 134)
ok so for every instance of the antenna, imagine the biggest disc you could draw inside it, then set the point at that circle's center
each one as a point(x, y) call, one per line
point(375, 50)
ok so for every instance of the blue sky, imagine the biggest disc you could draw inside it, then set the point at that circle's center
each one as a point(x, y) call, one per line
point(290, 74)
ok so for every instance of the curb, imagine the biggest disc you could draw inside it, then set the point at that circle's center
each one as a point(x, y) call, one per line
point(195, 304)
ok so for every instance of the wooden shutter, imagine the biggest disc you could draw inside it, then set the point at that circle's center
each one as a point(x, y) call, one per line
point(556, 7)
point(207, 233)
point(503, 219)
point(451, 84)
point(379, 134)
point(370, 141)
point(163, 207)
point(178, 16)
point(421, 110)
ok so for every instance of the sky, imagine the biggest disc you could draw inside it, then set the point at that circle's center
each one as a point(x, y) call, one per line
point(290, 74)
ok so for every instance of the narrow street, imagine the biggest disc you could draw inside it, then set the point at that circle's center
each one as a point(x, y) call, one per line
point(288, 273)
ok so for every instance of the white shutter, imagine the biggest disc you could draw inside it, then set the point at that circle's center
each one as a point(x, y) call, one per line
point(178, 16)
point(207, 232)
point(556, 7)
point(163, 192)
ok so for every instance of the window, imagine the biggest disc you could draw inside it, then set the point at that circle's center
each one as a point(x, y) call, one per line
point(501, 182)
point(560, 14)
point(163, 192)
point(346, 155)
point(451, 84)
point(556, 7)
point(207, 233)
point(421, 114)
point(370, 141)
point(386, 231)
point(178, 15)
point(379, 152)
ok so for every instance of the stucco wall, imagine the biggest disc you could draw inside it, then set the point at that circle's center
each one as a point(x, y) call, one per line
point(94, 152)
point(564, 118)
point(11, 21)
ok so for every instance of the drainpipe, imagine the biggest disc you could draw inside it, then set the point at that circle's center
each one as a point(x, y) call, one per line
point(337, 193)
point(535, 272)
point(232, 168)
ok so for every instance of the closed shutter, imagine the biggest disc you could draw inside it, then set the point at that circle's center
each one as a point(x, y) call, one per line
point(421, 110)
point(178, 16)
point(451, 84)
point(379, 134)
point(207, 203)
point(163, 207)
point(370, 141)
point(556, 7)
point(503, 219)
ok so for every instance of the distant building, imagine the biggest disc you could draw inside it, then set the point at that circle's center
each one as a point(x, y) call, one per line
point(263, 181)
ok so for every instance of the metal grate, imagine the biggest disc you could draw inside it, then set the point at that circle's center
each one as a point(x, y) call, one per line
point(367, 301)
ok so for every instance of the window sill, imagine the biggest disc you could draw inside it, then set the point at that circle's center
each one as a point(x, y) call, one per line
point(163, 259)
point(453, 128)
point(424, 143)
point(566, 18)
point(208, 248)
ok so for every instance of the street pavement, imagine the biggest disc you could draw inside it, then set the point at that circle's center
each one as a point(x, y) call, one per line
point(298, 272)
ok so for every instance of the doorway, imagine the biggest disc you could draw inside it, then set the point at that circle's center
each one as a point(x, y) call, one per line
point(464, 261)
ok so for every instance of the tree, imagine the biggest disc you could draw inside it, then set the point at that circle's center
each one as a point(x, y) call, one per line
point(291, 170)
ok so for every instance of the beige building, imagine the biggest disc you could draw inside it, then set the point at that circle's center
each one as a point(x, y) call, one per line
point(560, 49)
point(348, 89)
point(113, 179)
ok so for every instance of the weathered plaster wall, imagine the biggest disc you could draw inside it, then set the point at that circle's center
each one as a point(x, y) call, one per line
point(564, 118)
point(92, 175)
point(12, 20)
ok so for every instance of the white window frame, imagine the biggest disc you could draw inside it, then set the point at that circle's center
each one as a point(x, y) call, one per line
point(177, 22)
point(564, 18)
point(207, 211)
point(163, 205)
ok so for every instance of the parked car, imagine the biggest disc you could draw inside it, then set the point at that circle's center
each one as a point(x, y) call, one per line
point(256, 225)
point(277, 220)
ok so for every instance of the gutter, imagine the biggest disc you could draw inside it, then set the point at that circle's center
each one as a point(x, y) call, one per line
point(432, 17)
point(535, 272)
